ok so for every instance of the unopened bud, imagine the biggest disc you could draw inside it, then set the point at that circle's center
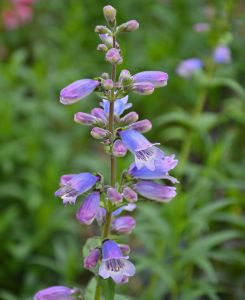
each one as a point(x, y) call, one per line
point(129, 194)
point(92, 259)
point(118, 149)
point(124, 248)
point(105, 76)
point(102, 48)
point(84, 119)
point(129, 26)
point(108, 84)
point(123, 225)
point(99, 113)
point(113, 56)
point(129, 118)
point(114, 195)
point(143, 88)
point(110, 14)
point(141, 126)
point(99, 133)
point(107, 40)
point(125, 77)
point(102, 29)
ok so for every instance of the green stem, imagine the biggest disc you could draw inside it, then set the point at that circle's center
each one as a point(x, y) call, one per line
point(106, 231)
point(97, 291)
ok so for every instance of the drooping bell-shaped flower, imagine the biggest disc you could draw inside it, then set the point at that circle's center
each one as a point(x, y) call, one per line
point(155, 191)
point(120, 105)
point(74, 185)
point(77, 90)
point(157, 78)
point(222, 55)
point(114, 264)
point(188, 67)
point(88, 210)
point(91, 260)
point(146, 154)
point(163, 166)
point(55, 293)
point(123, 225)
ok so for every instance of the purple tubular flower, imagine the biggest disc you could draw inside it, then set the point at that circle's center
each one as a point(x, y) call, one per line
point(222, 55)
point(118, 149)
point(120, 105)
point(188, 67)
point(141, 126)
point(155, 191)
point(114, 264)
point(123, 225)
point(114, 195)
point(157, 78)
point(161, 171)
point(74, 185)
point(84, 119)
point(92, 259)
point(55, 293)
point(99, 133)
point(130, 194)
point(88, 210)
point(143, 88)
point(77, 90)
point(146, 154)
point(99, 114)
point(129, 118)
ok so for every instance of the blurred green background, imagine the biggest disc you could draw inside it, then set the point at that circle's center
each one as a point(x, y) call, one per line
point(191, 248)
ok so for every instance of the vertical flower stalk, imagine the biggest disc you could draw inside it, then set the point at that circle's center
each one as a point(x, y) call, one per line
point(105, 202)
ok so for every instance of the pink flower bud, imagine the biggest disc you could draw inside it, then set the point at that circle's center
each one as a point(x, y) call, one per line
point(118, 149)
point(141, 126)
point(129, 118)
point(129, 194)
point(113, 56)
point(110, 14)
point(84, 119)
point(114, 195)
point(102, 48)
point(102, 29)
point(92, 259)
point(125, 77)
point(108, 84)
point(129, 26)
point(124, 248)
point(99, 133)
point(99, 114)
point(143, 88)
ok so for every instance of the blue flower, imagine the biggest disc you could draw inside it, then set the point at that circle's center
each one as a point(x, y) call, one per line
point(146, 154)
point(120, 105)
point(155, 191)
point(222, 55)
point(189, 66)
point(73, 185)
point(114, 264)
point(89, 208)
point(161, 171)
point(55, 293)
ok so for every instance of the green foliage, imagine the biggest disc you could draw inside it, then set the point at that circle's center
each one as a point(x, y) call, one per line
point(190, 248)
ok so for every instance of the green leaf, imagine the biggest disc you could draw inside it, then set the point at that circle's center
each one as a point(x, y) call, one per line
point(232, 84)
point(108, 287)
point(90, 290)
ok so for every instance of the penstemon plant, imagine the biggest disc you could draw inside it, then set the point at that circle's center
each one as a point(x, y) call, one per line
point(105, 202)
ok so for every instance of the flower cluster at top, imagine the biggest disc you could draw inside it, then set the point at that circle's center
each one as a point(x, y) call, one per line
point(19, 12)
point(118, 131)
